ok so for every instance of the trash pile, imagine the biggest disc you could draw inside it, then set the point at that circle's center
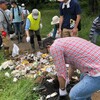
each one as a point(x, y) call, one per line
point(39, 67)
point(29, 65)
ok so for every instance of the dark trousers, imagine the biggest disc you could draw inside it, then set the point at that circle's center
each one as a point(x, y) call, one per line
point(32, 33)
point(0, 41)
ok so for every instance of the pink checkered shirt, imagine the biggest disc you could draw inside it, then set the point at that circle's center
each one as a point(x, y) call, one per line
point(77, 52)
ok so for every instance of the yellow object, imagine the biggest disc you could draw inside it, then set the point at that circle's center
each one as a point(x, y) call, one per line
point(35, 24)
point(44, 55)
point(25, 62)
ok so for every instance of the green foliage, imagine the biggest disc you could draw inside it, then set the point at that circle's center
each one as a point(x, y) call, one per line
point(1, 56)
point(46, 20)
point(50, 5)
point(21, 90)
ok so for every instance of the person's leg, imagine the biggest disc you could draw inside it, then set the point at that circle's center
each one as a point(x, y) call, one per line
point(85, 88)
point(32, 39)
point(15, 27)
point(39, 38)
point(65, 33)
point(20, 31)
point(0, 42)
point(62, 89)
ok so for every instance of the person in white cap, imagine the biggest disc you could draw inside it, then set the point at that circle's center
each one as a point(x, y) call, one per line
point(25, 12)
point(69, 18)
point(33, 25)
point(55, 22)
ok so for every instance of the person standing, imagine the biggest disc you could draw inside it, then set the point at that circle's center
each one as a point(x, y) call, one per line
point(55, 22)
point(25, 14)
point(17, 19)
point(33, 25)
point(8, 13)
point(95, 30)
point(69, 18)
point(79, 54)
point(3, 19)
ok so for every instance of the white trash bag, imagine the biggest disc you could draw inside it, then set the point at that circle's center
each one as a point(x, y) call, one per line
point(15, 50)
point(12, 35)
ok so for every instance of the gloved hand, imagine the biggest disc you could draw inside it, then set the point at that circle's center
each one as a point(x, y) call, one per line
point(28, 39)
point(41, 26)
point(4, 33)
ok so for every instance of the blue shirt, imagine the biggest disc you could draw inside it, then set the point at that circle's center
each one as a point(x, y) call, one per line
point(17, 17)
point(27, 24)
point(69, 13)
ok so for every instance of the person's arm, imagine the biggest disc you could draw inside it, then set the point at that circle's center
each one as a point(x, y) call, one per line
point(55, 31)
point(11, 15)
point(27, 27)
point(78, 18)
point(77, 21)
point(61, 18)
point(1, 22)
point(60, 23)
point(22, 15)
point(75, 29)
point(60, 65)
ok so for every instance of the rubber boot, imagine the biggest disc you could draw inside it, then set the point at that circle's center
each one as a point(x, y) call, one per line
point(33, 47)
point(40, 45)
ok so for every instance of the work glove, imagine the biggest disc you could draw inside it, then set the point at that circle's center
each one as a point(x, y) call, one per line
point(28, 39)
point(41, 26)
point(4, 33)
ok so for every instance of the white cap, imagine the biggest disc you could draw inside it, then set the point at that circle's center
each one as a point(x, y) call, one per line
point(55, 20)
point(35, 13)
point(22, 4)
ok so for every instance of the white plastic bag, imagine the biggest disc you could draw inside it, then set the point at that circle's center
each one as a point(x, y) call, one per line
point(15, 50)
point(12, 35)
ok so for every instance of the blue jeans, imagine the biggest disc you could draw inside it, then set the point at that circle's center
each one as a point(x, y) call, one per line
point(85, 88)
point(18, 28)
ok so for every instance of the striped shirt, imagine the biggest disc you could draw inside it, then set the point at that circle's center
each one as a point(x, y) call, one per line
point(77, 52)
point(93, 28)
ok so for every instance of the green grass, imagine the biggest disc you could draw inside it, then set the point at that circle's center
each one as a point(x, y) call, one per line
point(46, 20)
point(22, 90)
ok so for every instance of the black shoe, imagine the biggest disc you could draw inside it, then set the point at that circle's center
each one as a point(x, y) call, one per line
point(33, 47)
point(65, 97)
point(40, 45)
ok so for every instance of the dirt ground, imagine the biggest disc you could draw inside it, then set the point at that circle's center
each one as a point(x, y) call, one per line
point(24, 46)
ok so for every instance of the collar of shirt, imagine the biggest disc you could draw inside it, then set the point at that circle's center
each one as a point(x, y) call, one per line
point(67, 4)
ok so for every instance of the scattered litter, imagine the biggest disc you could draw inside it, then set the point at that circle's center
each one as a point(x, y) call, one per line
point(7, 74)
point(15, 79)
point(15, 50)
point(51, 95)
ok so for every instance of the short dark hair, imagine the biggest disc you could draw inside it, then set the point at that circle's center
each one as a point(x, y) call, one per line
point(48, 41)
point(13, 1)
point(3, 1)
